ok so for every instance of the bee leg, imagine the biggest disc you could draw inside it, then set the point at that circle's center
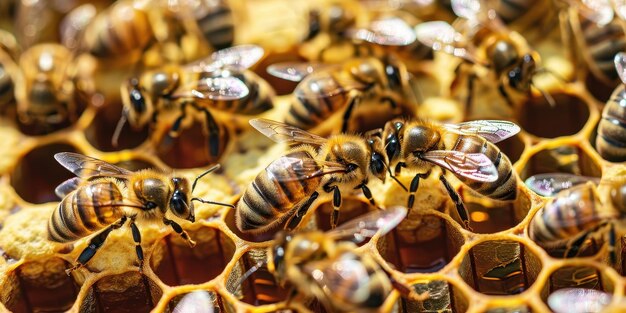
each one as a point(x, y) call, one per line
point(179, 230)
point(367, 193)
point(399, 167)
point(334, 216)
point(405, 290)
point(470, 93)
point(137, 239)
point(175, 129)
point(94, 244)
point(573, 248)
point(414, 186)
point(295, 219)
point(612, 236)
point(505, 95)
point(460, 207)
point(214, 131)
point(348, 113)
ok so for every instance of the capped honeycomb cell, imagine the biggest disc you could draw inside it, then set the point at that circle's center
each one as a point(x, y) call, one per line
point(567, 117)
point(175, 263)
point(26, 178)
point(421, 244)
point(502, 267)
point(126, 292)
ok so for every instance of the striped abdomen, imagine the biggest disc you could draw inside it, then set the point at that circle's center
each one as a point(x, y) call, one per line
point(6, 87)
point(570, 213)
point(311, 107)
point(268, 200)
point(505, 187)
point(217, 26)
point(511, 10)
point(602, 43)
point(84, 211)
point(611, 140)
point(258, 100)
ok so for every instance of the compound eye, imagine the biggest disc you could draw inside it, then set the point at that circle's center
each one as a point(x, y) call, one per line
point(351, 167)
point(137, 100)
point(177, 203)
point(150, 205)
point(377, 164)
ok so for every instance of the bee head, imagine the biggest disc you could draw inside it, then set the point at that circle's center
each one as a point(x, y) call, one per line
point(520, 77)
point(138, 106)
point(179, 202)
point(419, 139)
point(353, 155)
point(152, 192)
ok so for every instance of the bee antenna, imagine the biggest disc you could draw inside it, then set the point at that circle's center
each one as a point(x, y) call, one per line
point(213, 202)
point(250, 271)
point(118, 130)
point(546, 95)
point(396, 179)
point(213, 168)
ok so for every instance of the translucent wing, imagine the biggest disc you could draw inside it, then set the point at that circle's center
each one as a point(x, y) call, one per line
point(579, 300)
point(475, 166)
point(238, 57)
point(549, 184)
point(391, 31)
point(441, 36)
point(369, 224)
point(294, 71)
point(492, 130)
point(328, 84)
point(85, 167)
point(213, 88)
point(620, 65)
point(286, 169)
point(281, 132)
point(566, 204)
point(599, 11)
point(467, 9)
point(74, 23)
point(198, 301)
point(620, 8)
point(67, 186)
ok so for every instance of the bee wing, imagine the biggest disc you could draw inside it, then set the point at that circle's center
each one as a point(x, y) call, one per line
point(74, 23)
point(599, 11)
point(198, 301)
point(578, 300)
point(620, 64)
point(67, 186)
point(213, 88)
point(86, 167)
point(238, 57)
point(328, 84)
point(619, 6)
point(101, 198)
point(280, 132)
point(286, 169)
point(441, 36)
point(492, 130)
point(476, 166)
point(295, 71)
point(391, 31)
point(369, 224)
point(549, 184)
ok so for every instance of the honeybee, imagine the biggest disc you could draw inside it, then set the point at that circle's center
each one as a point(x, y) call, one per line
point(611, 139)
point(8, 68)
point(485, 43)
point(104, 197)
point(466, 149)
point(583, 300)
point(327, 267)
point(285, 190)
point(219, 82)
point(576, 213)
point(327, 89)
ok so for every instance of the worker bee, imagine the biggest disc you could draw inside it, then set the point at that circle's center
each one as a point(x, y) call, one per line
point(220, 82)
point(44, 91)
point(611, 141)
point(485, 43)
point(327, 267)
point(285, 190)
point(8, 68)
point(583, 300)
point(466, 149)
point(327, 89)
point(576, 213)
point(104, 197)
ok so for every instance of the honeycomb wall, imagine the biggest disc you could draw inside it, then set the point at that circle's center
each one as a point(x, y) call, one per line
point(461, 269)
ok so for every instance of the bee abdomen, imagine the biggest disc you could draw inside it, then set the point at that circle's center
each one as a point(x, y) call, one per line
point(603, 43)
point(6, 87)
point(217, 27)
point(84, 211)
point(611, 140)
point(312, 106)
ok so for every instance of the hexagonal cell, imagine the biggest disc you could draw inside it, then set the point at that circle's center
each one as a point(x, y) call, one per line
point(27, 180)
point(129, 292)
point(213, 297)
point(260, 287)
point(180, 264)
point(563, 158)
point(500, 267)
point(489, 216)
point(581, 276)
point(421, 244)
point(101, 129)
point(40, 286)
point(567, 117)
point(443, 297)
point(512, 147)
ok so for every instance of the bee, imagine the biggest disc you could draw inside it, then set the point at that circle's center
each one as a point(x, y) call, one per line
point(103, 197)
point(44, 94)
point(576, 212)
point(8, 52)
point(285, 190)
point(611, 139)
point(583, 300)
point(485, 43)
point(219, 82)
point(327, 267)
point(327, 89)
point(466, 149)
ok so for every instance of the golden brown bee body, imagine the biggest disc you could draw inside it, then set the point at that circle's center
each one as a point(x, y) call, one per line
point(7, 93)
point(285, 190)
point(103, 197)
point(611, 139)
point(215, 22)
point(465, 149)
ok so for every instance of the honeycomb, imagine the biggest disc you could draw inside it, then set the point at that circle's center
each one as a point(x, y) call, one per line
point(494, 267)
